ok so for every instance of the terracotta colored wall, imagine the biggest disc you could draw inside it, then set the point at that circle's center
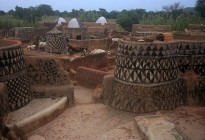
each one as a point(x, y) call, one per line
point(148, 28)
point(95, 61)
point(48, 78)
point(89, 77)
point(91, 44)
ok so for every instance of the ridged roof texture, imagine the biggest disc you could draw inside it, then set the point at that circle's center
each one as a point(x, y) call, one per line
point(102, 20)
point(73, 23)
point(60, 20)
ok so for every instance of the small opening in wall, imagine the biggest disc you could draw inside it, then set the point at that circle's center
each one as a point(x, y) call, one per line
point(78, 37)
point(92, 37)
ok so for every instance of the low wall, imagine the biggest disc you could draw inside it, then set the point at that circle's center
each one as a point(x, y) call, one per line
point(196, 27)
point(48, 78)
point(150, 28)
point(89, 77)
point(91, 44)
point(94, 61)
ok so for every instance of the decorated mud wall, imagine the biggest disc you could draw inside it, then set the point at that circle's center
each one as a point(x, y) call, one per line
point(147, 76)
point(89, 77)
point(13, 74)
point(48, 78)
point(3, 108)
point(192, 58)
point(55, 42)
point(144, 30)
point(196, 27)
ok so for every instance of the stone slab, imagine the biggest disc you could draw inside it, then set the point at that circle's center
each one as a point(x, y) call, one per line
point(156, 127)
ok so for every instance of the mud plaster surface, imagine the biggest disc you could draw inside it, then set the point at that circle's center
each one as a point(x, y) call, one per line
point(90, 121)
point(33, 107)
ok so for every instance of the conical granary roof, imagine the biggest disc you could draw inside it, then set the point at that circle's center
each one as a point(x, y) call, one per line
point(55, 31)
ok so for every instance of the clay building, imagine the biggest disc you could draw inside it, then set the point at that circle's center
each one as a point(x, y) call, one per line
point(144, 30)
point(89, 30)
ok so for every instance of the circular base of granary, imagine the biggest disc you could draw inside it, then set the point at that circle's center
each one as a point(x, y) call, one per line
point(36, 114)
point(139, 98)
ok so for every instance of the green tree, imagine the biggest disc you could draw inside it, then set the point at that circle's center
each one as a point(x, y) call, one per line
point(127, 18)
point(44, 9)
point(200, 7)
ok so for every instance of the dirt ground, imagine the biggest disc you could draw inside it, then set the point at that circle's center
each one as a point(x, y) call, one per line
point(90, 121)
point(93, 121)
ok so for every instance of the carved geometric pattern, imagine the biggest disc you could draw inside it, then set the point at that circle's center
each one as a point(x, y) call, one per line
point(56, 44)
point(147, 75)
point(144, 98)
point(18, 92)
point(13, 74)
point(45, 72)
point(11, 60)
point(146, 49)
point(191, 56)
point(149, 70)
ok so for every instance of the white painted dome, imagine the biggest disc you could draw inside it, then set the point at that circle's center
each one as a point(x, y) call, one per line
point(102, 20)
point(73, 23)
point(60, 20)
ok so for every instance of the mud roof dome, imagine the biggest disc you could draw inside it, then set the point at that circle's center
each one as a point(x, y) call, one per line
point(102, 20)
point(60, 20)
point(73, 23)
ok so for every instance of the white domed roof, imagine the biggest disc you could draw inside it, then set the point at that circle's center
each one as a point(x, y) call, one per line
point(102, 20)
point(60, 20)
point(73, 23)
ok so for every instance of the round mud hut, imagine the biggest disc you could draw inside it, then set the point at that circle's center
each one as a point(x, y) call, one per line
point(55, 42)
point(146, 77)
point(13, 74)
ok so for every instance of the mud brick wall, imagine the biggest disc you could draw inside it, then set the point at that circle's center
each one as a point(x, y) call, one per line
point(48, 78)
point(198, 27)
point(41, 31)
point(150, 28)
point(145, 33)
point(4, 108)
point(91, 44)
point(94, 61)
point(79, 43)
point(192, 58)
point(97, 32)
point(45, 71)
point(25, 33)
point(89, 77)
point(147, 75)
point(13, 74)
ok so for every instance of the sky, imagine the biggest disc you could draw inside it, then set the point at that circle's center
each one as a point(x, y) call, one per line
point(109, 5)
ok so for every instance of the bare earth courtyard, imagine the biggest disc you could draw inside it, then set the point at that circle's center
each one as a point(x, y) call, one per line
point(95, 121)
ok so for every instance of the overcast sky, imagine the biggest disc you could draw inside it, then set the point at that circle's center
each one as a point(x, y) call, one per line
point(109, 5)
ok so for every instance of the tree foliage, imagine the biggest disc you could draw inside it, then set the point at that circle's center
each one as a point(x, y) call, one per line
point(173, 15)
point(200, 7)
point(127, 18)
